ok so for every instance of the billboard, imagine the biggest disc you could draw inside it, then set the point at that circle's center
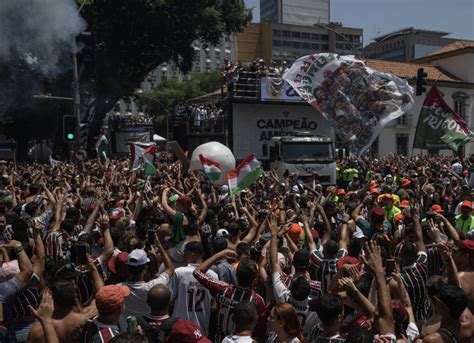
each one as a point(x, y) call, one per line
point(277, 89)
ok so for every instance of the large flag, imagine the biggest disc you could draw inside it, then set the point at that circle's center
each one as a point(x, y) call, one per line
point(439, 127)
point(141, 156)
point(211, 168)
point(246, 173)
point(101, 146)
point(54, 163)
point(358, 101)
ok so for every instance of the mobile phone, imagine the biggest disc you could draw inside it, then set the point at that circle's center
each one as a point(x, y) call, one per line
point(81, 254)
point(389, 266)
point(151, 236)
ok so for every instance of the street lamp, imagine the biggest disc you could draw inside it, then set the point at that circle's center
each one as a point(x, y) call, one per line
point(139, 92)
point(327, 27)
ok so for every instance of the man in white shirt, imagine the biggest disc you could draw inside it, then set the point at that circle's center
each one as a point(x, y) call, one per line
point(136, 303)
point(192, 300)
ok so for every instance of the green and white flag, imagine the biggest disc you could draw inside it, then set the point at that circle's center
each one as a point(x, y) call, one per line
point(439, 127)
point(140, 156)
point(101, 147)
point(246, 173)
point(211, 168)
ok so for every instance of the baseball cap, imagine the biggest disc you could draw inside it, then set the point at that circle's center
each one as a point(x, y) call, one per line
point(374, 191)
point(110, 298)
point(404, 204)
point(301, 258)
point(118, 264)
point(340, 191)
point(467, 203)
point(437, 208)
point(137, 257)
point(377, 215)
point(405, 182)
point(295, 232)
point(222, 233)
point(347, 260)
point(185, 201)
point(186, 331)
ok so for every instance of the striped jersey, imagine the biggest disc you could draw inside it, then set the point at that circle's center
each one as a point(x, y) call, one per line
point(57, 244)
point(314, 286)
point(227, 297)
point(308, 319)
point(414, 277)
point(435, 263)
point(326, 268)
point(192, 301)
point(97, 332)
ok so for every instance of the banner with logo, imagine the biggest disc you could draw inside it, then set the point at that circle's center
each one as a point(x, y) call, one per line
point(439, 127)
point(358, 101)
point(277, 89)
point(125, 137)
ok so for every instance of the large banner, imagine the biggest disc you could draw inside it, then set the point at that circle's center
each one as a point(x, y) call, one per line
point(124, 138)
point(357, 100)
point(439, 127)
point(277, 89)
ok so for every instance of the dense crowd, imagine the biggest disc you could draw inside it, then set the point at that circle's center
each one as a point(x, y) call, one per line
point(202, 116)
point(123, 121)
point(258, 67)
point(107, 255)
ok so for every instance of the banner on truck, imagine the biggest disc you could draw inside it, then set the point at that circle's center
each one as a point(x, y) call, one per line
point(277, 89)
point(123, 139)
point(357, 100)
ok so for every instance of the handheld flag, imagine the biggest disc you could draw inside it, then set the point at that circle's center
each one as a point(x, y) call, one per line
point(246, 173)
point(54, 163)
point(211, 168)
point(141, 156)
point(439, 127)
point(101, 147)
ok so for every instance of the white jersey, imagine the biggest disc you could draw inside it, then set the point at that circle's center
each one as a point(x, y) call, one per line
point(238, 339)
point(192, 301)
point(308, 319)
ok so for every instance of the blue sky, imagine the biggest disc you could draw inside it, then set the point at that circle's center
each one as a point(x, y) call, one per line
point(456, 16)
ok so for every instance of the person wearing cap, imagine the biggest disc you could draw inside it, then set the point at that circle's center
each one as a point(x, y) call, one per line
point(109, 301)
point(390, 209)
point(118, 268)
point(192, 300)
point(135, 303)
point(375, 220)
point(158, 322)
point(464, 221)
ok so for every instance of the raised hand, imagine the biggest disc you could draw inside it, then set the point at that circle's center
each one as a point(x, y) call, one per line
point(45, 309)
point(373, 258)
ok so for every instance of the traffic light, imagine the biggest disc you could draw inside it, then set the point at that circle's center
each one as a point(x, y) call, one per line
point(421, 81)
point(69, 128)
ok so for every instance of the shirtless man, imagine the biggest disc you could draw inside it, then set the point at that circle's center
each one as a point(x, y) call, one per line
point(68, 318)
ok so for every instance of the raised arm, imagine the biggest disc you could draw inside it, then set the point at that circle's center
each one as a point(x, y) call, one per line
point(26, 269)
point(39, 265)
point(164, 202)
point(250, 236)
point(275, 266)
point(308, 236)
point(165, 257)
point(203, 214)
point(420, 244)
point(327, 224)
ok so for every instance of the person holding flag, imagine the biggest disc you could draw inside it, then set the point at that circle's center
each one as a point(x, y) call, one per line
point(101, 146)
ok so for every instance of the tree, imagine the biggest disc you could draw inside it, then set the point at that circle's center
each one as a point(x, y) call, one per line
point(129, 39)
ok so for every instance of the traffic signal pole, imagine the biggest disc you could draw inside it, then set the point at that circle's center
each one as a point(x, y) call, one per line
point(76, 96)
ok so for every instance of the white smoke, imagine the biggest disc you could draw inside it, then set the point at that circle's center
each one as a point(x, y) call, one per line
point(40, 32)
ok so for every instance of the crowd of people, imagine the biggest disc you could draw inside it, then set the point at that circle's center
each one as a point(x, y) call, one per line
point(259, 67)
point(107, 255)
point(119, 121)
point(203, 117)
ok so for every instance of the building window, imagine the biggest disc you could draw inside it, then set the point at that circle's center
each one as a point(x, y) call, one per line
point(296, 34)
point(402, 120)
point(306, 46)
point(296, 45)
point(314, 36)
point(305, 35)
point(339, 46)
point(314, 46)
point(286, 33)
point(402, 144)
point(277, 33)
point(276, 42)
point(324, 47)
point(460, 103)
point(286, 43)
point(324, 37)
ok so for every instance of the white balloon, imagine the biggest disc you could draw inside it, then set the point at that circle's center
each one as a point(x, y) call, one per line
point(216, 152)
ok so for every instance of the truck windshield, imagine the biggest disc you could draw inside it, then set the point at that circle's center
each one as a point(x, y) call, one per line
point(306, 152)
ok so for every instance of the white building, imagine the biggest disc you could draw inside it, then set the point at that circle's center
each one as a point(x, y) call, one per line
point(453, 68)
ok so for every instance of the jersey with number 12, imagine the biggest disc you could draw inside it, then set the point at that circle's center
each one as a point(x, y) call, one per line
point(192, 301)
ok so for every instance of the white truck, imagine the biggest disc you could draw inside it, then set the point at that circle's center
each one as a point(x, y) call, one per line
point(303, 153)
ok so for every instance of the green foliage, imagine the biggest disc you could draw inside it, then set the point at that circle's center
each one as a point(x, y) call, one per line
point(167, 94)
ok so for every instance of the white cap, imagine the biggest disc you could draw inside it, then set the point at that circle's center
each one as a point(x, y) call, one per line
point(137, 257)
point(224, 189)
point(389, 176)
point(222, 233)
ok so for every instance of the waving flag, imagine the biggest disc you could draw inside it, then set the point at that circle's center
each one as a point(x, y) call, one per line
point(246, 173)
point(101, 146)
point(211, 168)
point(54, 163)
point(141, 156)
point(439, 127)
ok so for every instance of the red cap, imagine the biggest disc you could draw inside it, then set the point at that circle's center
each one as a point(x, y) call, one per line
point(405, 182)
point(468, 245)
point(467, 203)
point(374, 191)
point(437, 208)
point(377, 215)
point(186, 331)
point(341, 191)
point(110, 298)
point(185, 201)
point(404, 204)
point(295, 232)
point(315, 234)
point(347, 260)
point(118, 264)
point(398, 218)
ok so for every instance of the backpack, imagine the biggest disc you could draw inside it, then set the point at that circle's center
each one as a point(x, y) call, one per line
point(159, 333)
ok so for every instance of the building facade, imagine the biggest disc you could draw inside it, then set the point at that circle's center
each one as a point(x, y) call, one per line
point(452, 68)
point(298, 12)
point(287, 42)
point(406, 44)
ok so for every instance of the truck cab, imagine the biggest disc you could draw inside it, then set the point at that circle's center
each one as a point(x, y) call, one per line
point(304, 154)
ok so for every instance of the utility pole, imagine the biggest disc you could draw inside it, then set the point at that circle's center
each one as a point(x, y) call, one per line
point(75, 81)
